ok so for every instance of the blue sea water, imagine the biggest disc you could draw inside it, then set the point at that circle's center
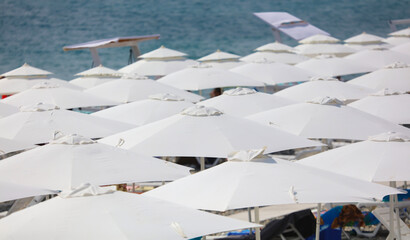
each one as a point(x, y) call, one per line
point(36, 31)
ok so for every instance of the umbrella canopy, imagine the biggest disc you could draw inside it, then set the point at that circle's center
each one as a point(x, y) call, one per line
point(386, 104)
point(154, 67)
point(163, 53)
point(402, 48)
point(274, 47)
point(364, 38)
point(395, 77)
point(11, 191)
point(133, 88)
point(204, 132)
point(242, 102)
point(26, 71)
point(326, 118)
point(320, 86)
point(395, 41)
point(89, 82)
point(378, 58)
point(251, 179)
point(203, 76)
point(272, 73)
point(280, 57)
point(226, 65)
point(401, 33)
point(54, 94)
point(312, 50)
point(95, 213)
point(38, 123)
point(8, 146)
point(319, 38)
point(381, 158)
point(328, 65)
point(7, 109)
point(9, 86)
point(156, 107)
point(99, 71)
point(218, 55)
point(68, 161)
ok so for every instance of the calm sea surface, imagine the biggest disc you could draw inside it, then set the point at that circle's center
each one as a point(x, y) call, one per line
point(36, 31)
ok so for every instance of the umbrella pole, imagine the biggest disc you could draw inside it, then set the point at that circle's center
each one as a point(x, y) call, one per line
point(250, 219)
point(257, 230)
point(319, 209)
point(202, 163)
point(392, 233)
point(396, 199)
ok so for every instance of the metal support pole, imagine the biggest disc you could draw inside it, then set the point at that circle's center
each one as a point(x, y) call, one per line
point(96, 57)
point(392, 234)
point(319, 209)
point(202, 161)
point(257, 230)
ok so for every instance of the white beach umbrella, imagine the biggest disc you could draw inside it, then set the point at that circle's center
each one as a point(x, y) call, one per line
point(133, 88)
point(381, 158)
point(8, 146)
point(163, 53)
point(26, 71)
point(156, 107)
point(219, 55)
point(7, 109)
point(274, 47)
point(9, 86)
point(331, 66)
point(272, 73)
point(99, 71)
point(38, 123)
point(386, 104)
point(89, 82)
point(326, 118)
point(203, 76)
point(226, 65)
point(95, 213)
point(54, 94)
point(395, 41)
point(312, 50)
point(11, 191)
point(395, 77)
point(250, 179)
point(318, 39)
point(280, 57)
point(322, 86)
point(402, 48)
point(366, 41)
point(154, 67)
point(68, 161)
point(378, 58)
point(401, 33)
point(204, 132)
point(242, 102)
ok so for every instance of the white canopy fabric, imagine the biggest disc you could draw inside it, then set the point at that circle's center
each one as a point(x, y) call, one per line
point(38, 123)
point(248, 181)
point(364, 38)
point(312, 50)
point(26, 71)
point(10, 191)
point(319, 38)
point(89, 82)
point(396, 40)
point(95, 213)
point(330, 66)
point(54, 94)
point(8, 146)
point(204, 132)
point(280, 57)
point(395, 77)
point(401, 33)
point(275, 47)
point(142, 112)
point(132, 89)
point(203, 76)
point(326, 118)
point(163, 53)
point(9, 86)
point(99, 71)
point(7, 109)
point(219, 55)
point(226, 65)
point(242, 102)
point(378, 58)
point(272, 73)
point(68, 161)
point(402, 48)
point(289, 24)
point(381, 158)
point(319, 86)
point(157, 67)
point(392, 106)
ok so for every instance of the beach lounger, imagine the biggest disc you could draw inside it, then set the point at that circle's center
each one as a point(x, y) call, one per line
point(383, 214)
